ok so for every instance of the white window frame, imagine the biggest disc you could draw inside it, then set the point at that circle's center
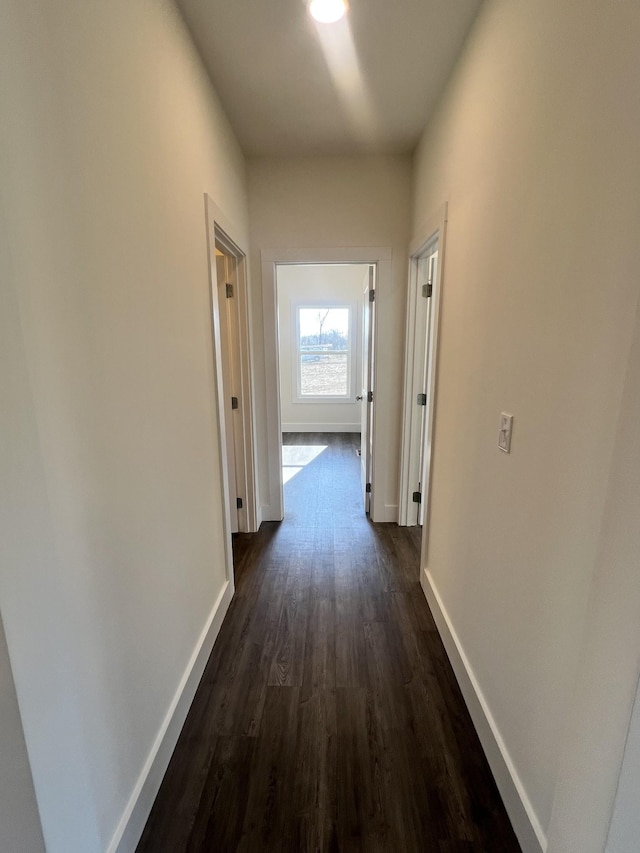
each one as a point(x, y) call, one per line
point(296, 353)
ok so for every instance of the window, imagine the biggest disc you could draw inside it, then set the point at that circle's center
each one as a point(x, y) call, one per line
point(323, 352)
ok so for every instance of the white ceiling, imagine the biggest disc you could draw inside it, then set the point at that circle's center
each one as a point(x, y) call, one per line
point(291, 86)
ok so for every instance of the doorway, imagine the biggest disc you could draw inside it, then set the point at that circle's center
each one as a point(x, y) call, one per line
point(366, 396)
point(233, 377)
point(325, 358)
point(423, 310)
point(358, 388)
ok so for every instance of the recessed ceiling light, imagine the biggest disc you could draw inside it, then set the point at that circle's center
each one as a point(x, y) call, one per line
point(327, 11)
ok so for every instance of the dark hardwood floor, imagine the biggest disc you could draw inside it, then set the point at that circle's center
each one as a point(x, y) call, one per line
point(328, 717)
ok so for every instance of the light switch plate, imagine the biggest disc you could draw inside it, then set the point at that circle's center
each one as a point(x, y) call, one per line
point(504, 434)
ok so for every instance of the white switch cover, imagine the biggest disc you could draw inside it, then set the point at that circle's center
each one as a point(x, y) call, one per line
point(504, 435)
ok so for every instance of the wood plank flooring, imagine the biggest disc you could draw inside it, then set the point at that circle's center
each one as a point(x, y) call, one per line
point(328, 717)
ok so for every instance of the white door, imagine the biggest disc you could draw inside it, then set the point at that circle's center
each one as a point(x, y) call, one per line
point(420, 361)
point(222, 271)
point(427, 273)
point(366, 393)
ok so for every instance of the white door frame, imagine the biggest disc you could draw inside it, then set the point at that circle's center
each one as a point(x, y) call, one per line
point(241, 368)
point(225, 274)
point(431, 234)
point(223, 233)
point(367, 376)
point(271, 258)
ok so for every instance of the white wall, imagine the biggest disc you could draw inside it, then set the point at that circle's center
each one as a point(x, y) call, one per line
point(592, 792)
point(111, 547)
point(534, 145)
point(337, 202)
point(624, 830)
point(320, 284)
point(20, 830)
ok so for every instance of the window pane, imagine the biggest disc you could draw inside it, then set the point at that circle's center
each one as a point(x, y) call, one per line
point(324, 328)
point(324, 374)
point(323, 347)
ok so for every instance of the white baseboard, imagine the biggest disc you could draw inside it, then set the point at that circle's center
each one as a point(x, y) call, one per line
point(269, 514)
point(132, 823)
point(389, 513)
point(324, 427)
point(523, 818)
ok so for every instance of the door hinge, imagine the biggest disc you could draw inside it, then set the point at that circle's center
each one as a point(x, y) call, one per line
point(427, 290)
point(417, 497)
point(367, 488)
point(372, 296)
point(422, 399)
point(239, 503)
point(369, 396)
point(234, 402)
point(229, 291)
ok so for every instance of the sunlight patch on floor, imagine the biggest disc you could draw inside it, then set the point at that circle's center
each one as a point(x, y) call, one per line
point(296, 456)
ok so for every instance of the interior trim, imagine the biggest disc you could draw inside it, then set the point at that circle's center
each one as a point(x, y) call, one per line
point(140, 802)
point(521, 813)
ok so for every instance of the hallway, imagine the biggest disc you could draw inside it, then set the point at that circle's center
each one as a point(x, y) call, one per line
point(328, 717)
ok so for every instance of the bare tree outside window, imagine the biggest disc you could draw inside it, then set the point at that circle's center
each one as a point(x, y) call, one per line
point(321, 321)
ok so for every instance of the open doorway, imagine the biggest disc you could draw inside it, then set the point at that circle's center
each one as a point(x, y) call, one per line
point(423, 309)
point(233, 377)
point(325, 364)
point(379, 258)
